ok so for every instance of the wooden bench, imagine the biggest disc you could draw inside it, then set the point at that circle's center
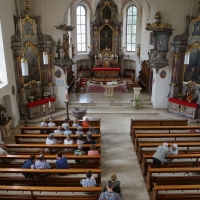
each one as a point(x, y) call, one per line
point(181, 194)
point(54, 179)
point(153, 145)
point(37, 136)
point(49, 146)
point(131, 82)
point(174, 136)
point(156, 122)
point(50, 193)
point(158, 175)
point(17, 161)
point(165, 129)
point(34, 128)
point(175, 163)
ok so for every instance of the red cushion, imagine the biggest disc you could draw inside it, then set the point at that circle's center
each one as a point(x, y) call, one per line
point(83, 79)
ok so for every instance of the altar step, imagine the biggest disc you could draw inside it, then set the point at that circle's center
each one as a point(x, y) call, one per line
point(99, 80)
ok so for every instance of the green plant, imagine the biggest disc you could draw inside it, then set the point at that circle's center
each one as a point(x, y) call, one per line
point(38, 96)
point(137, 101)
point(180, 95)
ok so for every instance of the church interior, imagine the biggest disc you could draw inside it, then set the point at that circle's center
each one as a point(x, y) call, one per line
point(126, 65)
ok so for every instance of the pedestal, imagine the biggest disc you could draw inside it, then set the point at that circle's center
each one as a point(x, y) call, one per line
point(5, 130)
point(79, 112)
point(109, 87)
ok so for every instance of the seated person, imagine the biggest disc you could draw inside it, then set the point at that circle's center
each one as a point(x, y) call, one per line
point(44, 123)
point(85, 123)
point(3, 151)
point(59, 130)
point(67, 141)
point(79, 152)
point(29, 164)
point(110, 194)
point(51, 123)
point(75, 123)
point(61, 162)
point(41, 163)
point(91, 131)
point(80, 140)
point(89, 181)
point(67, 131)
point(65, 123)
point(93, 152)
point(89, 139)
point(79, 131)
point(173, 149)
point(50, 140)
point(116, 183)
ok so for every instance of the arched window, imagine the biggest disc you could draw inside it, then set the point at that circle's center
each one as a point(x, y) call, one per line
point(81, 28)
point(131, 24)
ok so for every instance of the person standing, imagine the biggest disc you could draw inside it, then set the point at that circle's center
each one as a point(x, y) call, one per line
point(160, 154)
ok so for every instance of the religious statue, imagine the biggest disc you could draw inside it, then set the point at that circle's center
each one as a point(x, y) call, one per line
point(3, 115)
point(98, 60)
point(58, 46)
point(66, 44)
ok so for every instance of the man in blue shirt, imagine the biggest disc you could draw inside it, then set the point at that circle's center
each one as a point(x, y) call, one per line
point(29, 164)
point(61, 162)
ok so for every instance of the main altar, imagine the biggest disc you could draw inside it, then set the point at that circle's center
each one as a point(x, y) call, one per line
point(106, 53)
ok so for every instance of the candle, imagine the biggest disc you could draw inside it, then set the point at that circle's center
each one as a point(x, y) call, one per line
point(43, 106)
point(49, 104)
point(66, 94)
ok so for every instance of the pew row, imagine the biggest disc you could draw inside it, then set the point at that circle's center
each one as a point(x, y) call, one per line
point(191, 160)
point(50, 193)
point(190, 146)
point(174, 136)
point(181, 192)
point(69, 176)
point(158, 175)
point(17, 161)
point(51, 129)
point(51, 147)
point(44, 136)
point(157, 122)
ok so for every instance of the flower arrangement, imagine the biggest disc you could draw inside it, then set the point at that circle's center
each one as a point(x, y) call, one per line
point(180, 96)
point(31, 97)
point(38, 96)
point(190, 98)
point(137, 102)
point(46, 94)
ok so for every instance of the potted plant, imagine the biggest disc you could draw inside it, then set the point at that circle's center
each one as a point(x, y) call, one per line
point(38, 96)
point(31, 98)
point(137, 102)
point(180, 96)
point(46, 95)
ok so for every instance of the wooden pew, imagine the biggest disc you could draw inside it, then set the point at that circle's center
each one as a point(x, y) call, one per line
point(51, 193)
point(183, 195)
point(55, 180)
point(174, 136)
point(154, 145)
point(44, 136)
point(175, 163)
point(92, 122)
point(49, 146)
point(17, 161)
point(156, 122)
point(158, 175)
point(163, 128)
point(38, 128)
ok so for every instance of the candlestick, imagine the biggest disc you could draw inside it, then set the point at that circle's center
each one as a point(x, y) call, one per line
point(49, 104)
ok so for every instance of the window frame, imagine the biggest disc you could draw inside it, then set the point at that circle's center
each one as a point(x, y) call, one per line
point(85, 34)
point(132, 24)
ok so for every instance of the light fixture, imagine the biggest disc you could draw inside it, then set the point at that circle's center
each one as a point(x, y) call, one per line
point(45, 54)
point(187, 54)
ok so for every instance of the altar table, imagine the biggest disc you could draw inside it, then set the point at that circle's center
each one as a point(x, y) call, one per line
point(35, 108)
point(182, 108)
point(106, 72)
point(109, 87)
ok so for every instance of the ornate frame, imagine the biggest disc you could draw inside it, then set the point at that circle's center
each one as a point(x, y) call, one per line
point(195, 27)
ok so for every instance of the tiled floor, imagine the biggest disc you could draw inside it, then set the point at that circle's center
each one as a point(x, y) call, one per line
point(118, 155)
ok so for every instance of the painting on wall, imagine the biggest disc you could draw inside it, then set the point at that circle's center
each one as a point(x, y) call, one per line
point(33, 64)
point(192, 71)
point(196, 29)
point(106, 34)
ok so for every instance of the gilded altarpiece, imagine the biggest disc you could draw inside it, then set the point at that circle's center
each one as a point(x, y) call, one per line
point(29, 42)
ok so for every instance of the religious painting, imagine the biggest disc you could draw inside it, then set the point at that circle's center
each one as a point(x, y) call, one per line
point(196, 29)
point(161, 43)
point(58, 73)
point(32, 57)
point(163, 74)
point(106, 38)
point(192, 70)
point(28, 29)
point(106, 13)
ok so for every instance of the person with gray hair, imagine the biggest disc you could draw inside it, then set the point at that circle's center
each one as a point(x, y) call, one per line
point(3, 151)
point(173, 149)
point(50, 140)
point(79, 152)
point(67, 131)
point(59, 130)
point(160, 154)
point(79, 130)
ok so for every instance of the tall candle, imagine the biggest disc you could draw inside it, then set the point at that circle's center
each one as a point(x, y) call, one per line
point(66, 94)
point(49, 104)
point(44, 106)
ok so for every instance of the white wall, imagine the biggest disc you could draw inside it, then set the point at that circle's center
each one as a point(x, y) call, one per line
point(7, 10)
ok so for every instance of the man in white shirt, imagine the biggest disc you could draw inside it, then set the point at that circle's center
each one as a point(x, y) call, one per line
point(66, 123)
point(44, 123)
point(59, 130)
point(51, 123)
point(50, 140)
point(67, 131)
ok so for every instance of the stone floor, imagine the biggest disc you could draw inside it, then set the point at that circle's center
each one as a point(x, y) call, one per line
point(118, 155)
